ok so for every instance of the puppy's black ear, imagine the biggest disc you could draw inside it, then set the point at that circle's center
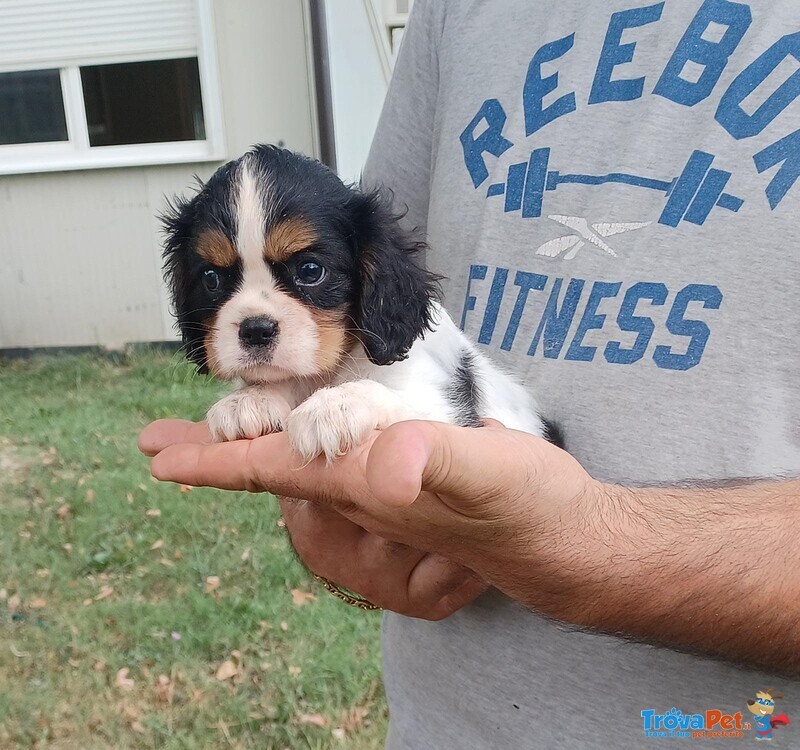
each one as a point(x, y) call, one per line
point(178, 221)
point(394, 307)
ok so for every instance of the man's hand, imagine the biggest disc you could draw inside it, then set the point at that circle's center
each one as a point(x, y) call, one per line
point(500, 500)
point(391, 575)
point(710, 569)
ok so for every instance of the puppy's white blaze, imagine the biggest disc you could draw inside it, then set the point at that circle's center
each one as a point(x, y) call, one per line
point(251, 224)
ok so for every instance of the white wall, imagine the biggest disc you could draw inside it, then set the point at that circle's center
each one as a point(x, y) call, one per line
point(80, 252)
point(358, 82)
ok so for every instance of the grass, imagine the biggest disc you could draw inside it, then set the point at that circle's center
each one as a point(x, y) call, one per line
point(102, 570)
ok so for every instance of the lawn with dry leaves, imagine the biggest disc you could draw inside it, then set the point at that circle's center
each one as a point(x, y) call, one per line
point(142, 615)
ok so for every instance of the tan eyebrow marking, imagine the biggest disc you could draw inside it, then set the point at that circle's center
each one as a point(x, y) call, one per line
point(287, 238)
point(216, 248)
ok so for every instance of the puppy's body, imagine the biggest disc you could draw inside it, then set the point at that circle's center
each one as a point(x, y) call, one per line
point(308, 295)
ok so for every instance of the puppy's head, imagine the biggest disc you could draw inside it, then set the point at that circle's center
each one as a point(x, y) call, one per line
point(277, 270)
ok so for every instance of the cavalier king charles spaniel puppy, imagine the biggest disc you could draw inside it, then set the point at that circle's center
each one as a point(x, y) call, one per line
point(308, 295)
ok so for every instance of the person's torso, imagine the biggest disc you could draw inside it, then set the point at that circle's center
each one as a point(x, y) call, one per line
point(618, 228)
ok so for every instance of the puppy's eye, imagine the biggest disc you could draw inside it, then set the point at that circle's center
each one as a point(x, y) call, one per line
point(309, 273)
point(211, 281)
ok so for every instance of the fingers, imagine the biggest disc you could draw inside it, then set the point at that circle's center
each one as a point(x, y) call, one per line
point(324, 539)
point(493, 424)
point(164, 432)
point(393, 576)
point(441, 587)
point(223, 465)
point(266, 464)
point(411, 456)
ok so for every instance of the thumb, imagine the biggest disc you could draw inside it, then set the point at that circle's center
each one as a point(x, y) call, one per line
point(410, 457)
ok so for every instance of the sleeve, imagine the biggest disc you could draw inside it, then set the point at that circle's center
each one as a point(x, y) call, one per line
point(401, 152)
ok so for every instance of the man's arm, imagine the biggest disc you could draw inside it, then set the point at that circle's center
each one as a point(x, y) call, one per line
point(703, 568)
point(712, 570)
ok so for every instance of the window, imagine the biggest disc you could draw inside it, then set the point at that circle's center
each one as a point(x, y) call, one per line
point(110, 83)
point(32, 107)
point(144, 102)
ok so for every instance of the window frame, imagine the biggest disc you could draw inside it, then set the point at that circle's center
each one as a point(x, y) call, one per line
point(77, 154)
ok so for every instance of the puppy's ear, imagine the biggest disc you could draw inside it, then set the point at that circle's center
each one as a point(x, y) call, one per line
point(394, 307)
point(178, 221)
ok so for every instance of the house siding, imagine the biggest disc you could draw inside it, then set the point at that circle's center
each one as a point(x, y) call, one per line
point(80, 252)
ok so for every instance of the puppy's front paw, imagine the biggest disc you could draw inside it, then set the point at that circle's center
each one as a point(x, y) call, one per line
point(331, 421)
point(247, 413)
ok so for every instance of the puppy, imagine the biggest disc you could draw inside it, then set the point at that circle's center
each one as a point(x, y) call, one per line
point(309, 296)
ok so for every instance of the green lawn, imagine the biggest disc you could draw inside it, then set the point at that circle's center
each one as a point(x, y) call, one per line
point(102, 570)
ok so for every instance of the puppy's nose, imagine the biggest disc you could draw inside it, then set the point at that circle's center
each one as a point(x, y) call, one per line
point(259, 331)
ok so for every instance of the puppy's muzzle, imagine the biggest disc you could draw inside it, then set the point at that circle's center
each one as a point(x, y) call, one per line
point(258, 333)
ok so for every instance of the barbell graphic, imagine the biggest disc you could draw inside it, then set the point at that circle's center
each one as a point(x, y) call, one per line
point(690, 197)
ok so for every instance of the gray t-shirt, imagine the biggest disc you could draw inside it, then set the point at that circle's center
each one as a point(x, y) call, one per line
point(611, 191)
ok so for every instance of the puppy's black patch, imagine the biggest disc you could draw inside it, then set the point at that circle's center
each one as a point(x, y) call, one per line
point(211, 208)
point(463, 393)
point(396, 291)
point(554, 434)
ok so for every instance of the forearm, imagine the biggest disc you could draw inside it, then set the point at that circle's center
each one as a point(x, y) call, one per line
point(714, 570)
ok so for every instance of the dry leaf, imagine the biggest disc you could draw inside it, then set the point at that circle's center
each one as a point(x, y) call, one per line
point(211, 584)
point(353, 718)
point(129, 712)
point(178, 555)
point(87, 602)
point(157, 544)
point(165, 689)
point(186, 488)
point(129, 497)
point(295, 671)
point(246, 554)
point(338, 733)
point(104, 593)
point(137, 727)
point(43, 573)
point(99, 666)
point(317, 720)
point(74, 663)
point(153, 512)
point(3, 595)
point(299, 598)
point(167, 563)
point(123, 681)
point(226, 670)
point(63, 511)
point(37, 603)
point(67, 547)
point(284, 626)
point(89, 496)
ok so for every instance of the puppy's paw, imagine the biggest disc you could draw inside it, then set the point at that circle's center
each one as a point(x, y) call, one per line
point(247, 413)
point(331, 421)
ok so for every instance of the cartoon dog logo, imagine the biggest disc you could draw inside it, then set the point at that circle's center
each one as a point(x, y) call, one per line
point(763, 708)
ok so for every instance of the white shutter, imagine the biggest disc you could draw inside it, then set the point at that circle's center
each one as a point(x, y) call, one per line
point(56, 33)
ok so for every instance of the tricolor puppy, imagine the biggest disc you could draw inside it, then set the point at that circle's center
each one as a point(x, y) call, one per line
point(309, 296)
